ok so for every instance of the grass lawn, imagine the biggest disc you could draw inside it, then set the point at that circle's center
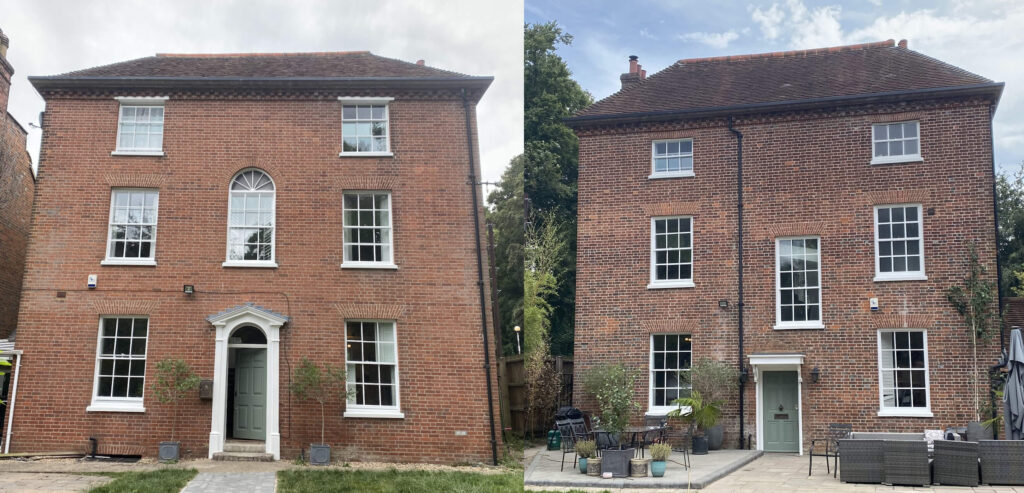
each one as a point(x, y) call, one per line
point(159, 481)
point(393, 481)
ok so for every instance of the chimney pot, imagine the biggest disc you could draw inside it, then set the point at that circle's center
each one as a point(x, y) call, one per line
point(634, 67)
point(643, 74)
point(903, 44)
point(420, 62)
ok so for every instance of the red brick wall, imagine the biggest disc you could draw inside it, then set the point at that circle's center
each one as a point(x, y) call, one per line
point(804, 173)
point(16, 190)
point(296, 139)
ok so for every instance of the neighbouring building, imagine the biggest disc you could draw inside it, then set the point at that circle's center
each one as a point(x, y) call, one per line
point(17, 187)
point(799, 215)
point(243, 212)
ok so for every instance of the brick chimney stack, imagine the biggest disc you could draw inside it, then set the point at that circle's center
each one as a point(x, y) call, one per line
point(636, 73)
point(420, 62)
point(902, 44)
point(6, 72)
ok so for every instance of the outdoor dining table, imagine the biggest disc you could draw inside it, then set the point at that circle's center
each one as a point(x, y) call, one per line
point(634, 431)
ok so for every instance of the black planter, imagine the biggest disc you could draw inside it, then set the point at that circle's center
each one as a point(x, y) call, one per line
point(700, 446)
point(616, 461)
point(714, 436)
point(169, 451)
point(319, 455)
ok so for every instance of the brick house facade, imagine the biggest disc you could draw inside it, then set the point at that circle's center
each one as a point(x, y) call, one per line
point(834, 216)
point(17, 185)
point(354, 248)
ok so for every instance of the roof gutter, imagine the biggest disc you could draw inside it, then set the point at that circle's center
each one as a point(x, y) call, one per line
point(56, 82)
point(994, 89)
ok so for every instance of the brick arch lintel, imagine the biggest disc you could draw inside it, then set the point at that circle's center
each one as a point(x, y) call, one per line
point(124, 307)
point(375, 182)
point(669, 326)
point(902, 321)
point(370, 311)
point(670, 208)
point(134, 180)
point(902, 196)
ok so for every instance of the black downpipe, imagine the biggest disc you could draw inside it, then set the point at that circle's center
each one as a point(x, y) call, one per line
point(480, 278)
point(739, 252)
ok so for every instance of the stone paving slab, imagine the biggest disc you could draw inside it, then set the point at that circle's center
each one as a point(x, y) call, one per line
point(544, 471)
point(219, 482)
point(32, 482)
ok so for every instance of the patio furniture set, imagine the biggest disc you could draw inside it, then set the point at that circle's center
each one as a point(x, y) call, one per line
point(654, 431)
point(911, 459)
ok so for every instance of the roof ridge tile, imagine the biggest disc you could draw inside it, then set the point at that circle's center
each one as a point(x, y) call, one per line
point(777, 54)
point(242, 55)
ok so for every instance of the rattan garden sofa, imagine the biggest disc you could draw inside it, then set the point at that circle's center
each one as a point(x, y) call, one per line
point(956, 463)
point(1002, 461)
point(860, 461)
point(906, 463)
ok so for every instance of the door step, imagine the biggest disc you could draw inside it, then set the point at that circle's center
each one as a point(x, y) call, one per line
point(243, 456)
point(246, 446)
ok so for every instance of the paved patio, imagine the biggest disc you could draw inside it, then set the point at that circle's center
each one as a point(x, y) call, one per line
point(788, 472)
point(543, 471)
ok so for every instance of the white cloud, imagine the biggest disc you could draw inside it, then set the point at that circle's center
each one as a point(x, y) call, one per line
point(644, 33)
point(714, 40)
point(982, 37)
point(478, 38)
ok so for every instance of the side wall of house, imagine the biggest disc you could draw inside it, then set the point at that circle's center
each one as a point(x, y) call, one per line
point(804, 174)
point(432, 295)
point(17, 187)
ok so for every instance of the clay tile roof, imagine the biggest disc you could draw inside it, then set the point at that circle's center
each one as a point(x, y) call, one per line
point(342, 64)
point(704, 83)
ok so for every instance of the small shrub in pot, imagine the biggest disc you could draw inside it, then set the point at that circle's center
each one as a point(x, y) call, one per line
point(659, 455)
point(174, 381)
point(585, 449)
point(311, 383)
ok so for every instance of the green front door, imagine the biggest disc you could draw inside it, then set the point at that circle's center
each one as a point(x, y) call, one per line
point(250, 394)
point(779, 408)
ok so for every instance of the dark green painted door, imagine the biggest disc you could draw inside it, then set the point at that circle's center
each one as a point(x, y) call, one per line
point(781, 416)
point(250, 394)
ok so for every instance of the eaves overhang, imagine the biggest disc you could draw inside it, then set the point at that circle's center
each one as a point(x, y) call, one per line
point(990, 89)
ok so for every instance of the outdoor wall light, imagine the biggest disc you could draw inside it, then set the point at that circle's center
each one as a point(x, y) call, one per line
point(188, 289)
point(815, 374)
point(744, 375)
point(723, 303)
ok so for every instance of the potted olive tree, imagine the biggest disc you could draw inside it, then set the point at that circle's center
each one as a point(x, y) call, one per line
point(174, 380)
point(716, 381)
point(612, 388)
point(700, 416)
point(322, 386)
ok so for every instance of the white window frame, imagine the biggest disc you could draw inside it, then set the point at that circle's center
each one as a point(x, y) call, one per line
point(269, 264)
point(902, 158)
point(117, 404)
point(353, 101)
point(899, 276)
point(914, 412)
point(346, 264)
point(368, 411)
point(655, 283)
point(653, 410)
point(671, 174)
point(151, 260)
point(148, 101)
point(808, 324)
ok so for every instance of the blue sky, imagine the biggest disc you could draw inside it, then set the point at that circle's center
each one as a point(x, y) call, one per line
point(984, 37)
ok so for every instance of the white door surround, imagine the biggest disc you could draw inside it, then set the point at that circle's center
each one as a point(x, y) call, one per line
point(777, 362)
point(225, 323)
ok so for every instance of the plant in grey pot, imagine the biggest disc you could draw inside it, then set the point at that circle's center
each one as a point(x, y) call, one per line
point(611, 385)
point(322, 386)
point(174, 381)
point(976, 301)
point(700, 415)
point(717, 382)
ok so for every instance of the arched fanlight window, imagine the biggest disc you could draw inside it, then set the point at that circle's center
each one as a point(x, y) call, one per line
point(251, 218)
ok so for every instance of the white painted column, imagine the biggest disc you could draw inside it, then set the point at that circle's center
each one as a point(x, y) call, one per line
point(220, 392)
point(273, 391)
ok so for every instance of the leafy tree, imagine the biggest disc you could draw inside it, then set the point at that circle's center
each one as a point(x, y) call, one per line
point(1010, 193)
point(550, 160)
point(310, 383)
point(975, 301)
point(506, 215)
point(174, 380)
point(612, 386)
point(545, 248)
